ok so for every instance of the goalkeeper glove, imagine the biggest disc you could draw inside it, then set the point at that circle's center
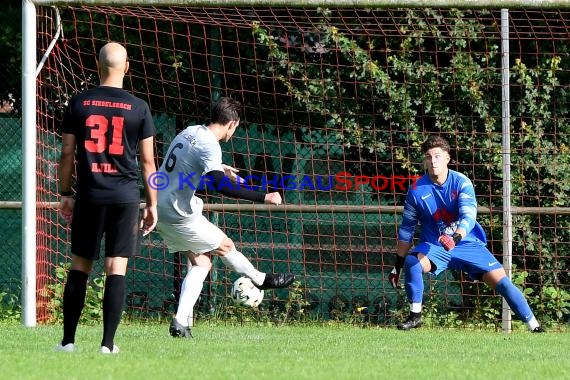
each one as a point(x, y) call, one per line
point(449, 242)
point(394, 278)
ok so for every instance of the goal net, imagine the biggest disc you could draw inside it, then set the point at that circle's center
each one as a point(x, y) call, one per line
point(337, 103)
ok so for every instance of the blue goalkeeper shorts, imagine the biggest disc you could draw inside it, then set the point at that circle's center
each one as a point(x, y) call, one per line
point(471, 257)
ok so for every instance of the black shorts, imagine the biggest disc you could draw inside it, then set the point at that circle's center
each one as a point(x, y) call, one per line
point(118, 222)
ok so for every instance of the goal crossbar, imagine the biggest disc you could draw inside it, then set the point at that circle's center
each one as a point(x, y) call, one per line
point(467, 4)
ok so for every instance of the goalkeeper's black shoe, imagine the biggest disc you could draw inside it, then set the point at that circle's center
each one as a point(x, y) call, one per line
point(277, 280)
point(538, 329)
point(179, 331)
point(414, 321)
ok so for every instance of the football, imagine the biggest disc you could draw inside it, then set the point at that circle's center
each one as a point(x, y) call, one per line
point(244, 292)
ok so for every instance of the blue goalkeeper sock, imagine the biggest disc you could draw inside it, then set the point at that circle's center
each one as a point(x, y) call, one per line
point(515, 299)
point(414, 279)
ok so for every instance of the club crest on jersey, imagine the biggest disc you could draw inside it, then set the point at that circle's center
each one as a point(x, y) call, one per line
point(446, 220)
point(443, 214)
point(191, 140)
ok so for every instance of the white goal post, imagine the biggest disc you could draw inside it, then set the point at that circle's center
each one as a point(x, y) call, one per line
point(31, 65)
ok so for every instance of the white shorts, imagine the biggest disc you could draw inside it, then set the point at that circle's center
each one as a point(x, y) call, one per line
point(197, 235)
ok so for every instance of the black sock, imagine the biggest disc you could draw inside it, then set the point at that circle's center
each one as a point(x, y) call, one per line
point(415, 315)
point(113, 300)
point(73, 302)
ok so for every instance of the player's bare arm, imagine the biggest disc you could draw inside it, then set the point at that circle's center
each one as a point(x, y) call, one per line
point(65, 173)
point(402, 248)
point(405, 238)
point(149, 219)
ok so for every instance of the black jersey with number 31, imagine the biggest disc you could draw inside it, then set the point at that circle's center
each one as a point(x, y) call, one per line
point(108, 123)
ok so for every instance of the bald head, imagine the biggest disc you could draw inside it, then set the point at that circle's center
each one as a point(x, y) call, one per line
point(113, 64)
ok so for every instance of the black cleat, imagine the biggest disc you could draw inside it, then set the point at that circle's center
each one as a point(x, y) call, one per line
point(277, 280)
point(414, 321)
point(538, 329)
point(179, 331)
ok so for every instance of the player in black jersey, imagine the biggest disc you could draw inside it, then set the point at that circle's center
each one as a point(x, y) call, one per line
point(102, 128)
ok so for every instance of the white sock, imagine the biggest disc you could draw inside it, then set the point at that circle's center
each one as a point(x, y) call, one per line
point(189, 294)
point(237, 262)
point(532, 324)
point(416, 307)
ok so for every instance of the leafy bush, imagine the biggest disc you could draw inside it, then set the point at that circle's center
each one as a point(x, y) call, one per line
point(10, 307)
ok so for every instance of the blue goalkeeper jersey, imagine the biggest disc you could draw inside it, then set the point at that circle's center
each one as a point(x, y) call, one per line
point(441, 209)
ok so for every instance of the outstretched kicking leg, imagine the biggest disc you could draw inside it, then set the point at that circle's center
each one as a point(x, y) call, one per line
point(497, 279)
point(236, 261)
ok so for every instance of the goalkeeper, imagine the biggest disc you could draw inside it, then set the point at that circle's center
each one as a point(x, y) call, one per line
point(443, 203)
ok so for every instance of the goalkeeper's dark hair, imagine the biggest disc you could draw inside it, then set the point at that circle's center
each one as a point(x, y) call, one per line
point(226, 110)
point(436, 142)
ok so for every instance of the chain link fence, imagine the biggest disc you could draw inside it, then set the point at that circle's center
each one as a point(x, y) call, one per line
point(11, 182)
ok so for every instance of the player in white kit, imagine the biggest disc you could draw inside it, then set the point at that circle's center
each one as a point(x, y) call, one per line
point(194, 159)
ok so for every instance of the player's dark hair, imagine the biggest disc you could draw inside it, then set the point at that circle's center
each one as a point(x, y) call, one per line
point(436, 142)
point(226, 110)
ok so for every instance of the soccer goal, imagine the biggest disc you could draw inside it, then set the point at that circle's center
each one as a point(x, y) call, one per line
point(338, 97)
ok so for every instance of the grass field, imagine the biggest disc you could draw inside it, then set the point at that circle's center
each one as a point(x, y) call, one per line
point(285, 352)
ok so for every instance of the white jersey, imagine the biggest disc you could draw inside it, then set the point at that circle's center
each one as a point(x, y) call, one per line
point(194, 152)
